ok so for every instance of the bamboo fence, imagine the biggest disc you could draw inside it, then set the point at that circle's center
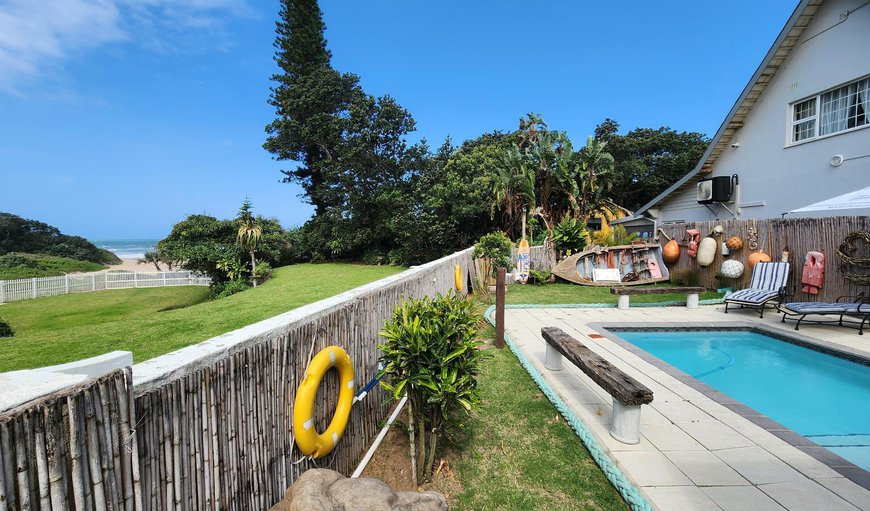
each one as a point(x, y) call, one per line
point(799, 234)
point(72, 449)
point(541, 258)
point(208, 426)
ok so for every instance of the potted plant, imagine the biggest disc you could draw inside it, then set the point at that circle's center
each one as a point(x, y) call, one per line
point(492, 251)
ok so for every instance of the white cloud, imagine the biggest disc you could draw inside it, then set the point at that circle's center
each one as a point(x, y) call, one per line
point(37, 36)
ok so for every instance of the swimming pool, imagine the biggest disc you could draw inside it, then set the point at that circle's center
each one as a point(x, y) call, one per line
point(820, 396)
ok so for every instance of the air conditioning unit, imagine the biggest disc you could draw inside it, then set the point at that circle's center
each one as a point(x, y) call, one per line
point(716, 189)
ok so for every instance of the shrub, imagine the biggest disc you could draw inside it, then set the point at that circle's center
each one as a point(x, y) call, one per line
point(5, 329)
point(685, 277)
point(230, 287)
point(494, 251)
point(569, 236)
point(539, 277)
point(263, 271)
point(430, 353)
point(617, 236)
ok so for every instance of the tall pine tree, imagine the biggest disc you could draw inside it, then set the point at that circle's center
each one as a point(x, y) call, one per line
point(309, 99)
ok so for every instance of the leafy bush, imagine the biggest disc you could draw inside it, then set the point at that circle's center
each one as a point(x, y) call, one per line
point(263, 271)
point(685, 277)
point(430, 353)
point(34, 237)
point(539, 277)
point(5, 329)
point(569, 236)
point(21, 266)
point(617, 236)
point(494, 251)
point(226, 288)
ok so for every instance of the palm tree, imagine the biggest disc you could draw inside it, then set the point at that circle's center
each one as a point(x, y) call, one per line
point(513, 187)
point(596, 167)
point(151, 257)
point(249, 235)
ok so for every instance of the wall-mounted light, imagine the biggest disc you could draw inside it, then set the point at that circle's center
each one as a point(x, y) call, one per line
point(735, 145)
point(837, 160)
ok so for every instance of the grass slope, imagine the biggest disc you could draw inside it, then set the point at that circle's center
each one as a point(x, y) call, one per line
point(25, 266)
point(151, 322)
point(521, 454)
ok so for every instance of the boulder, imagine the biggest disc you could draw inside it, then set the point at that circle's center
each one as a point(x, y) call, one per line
point(320, 489)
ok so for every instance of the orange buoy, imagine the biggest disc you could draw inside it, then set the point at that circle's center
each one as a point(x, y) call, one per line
point(757, 257)
point(671, 252)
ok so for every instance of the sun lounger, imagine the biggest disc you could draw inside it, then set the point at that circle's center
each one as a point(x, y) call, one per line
point(859, 309)
point(767, 285)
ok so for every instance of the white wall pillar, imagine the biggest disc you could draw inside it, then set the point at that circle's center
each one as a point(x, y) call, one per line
point(552, 358)
point(625, 423)
point(622, 302)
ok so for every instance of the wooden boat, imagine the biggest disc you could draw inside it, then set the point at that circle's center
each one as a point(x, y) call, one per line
point(640, 257)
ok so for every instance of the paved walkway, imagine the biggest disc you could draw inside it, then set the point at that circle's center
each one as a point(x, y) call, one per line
point(695, 454)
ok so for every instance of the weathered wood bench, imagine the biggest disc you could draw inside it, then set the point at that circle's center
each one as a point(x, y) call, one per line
point(628, 394)
point(625, 292)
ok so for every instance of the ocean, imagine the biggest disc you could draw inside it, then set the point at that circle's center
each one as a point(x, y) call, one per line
point(127, 249)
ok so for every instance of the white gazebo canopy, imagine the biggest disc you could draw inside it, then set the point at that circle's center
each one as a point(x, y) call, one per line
point(859, 199)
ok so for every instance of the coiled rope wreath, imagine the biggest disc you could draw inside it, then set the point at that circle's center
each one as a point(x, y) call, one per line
point(846, 253)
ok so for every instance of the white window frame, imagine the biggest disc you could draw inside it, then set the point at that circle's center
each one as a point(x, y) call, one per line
point(817, 98)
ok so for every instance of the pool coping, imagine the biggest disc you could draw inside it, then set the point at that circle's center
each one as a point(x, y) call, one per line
point(834, 461)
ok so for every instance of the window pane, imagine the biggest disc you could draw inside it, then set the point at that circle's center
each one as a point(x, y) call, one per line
point(804, 130)
point(835, 106)
point(859, 102)
point(805, 109)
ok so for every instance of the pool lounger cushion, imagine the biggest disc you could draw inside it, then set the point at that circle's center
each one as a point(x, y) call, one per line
point(767, 284)
point(860, 310)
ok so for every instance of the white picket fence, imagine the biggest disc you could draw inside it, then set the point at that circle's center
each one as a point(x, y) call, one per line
point(24, 289)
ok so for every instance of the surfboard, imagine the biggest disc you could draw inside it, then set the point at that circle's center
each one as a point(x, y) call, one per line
point(524, 261)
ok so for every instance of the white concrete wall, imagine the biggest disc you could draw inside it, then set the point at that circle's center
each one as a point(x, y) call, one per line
point(783, 177)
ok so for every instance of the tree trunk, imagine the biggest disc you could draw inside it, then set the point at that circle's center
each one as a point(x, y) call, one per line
point(411, 435)
point(253, 268)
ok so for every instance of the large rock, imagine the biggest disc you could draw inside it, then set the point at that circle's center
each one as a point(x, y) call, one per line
point(320, 489)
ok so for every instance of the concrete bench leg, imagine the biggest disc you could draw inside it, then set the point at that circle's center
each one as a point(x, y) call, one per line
point(692, 301)
point(622, 302)
point(625, 423)
point(552, 358)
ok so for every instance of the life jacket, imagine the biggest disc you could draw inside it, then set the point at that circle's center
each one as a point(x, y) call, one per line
point(813, 274)
point(693, 243)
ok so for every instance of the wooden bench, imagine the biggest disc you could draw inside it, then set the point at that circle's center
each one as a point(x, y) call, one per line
point(625, 292)
point(628, 394)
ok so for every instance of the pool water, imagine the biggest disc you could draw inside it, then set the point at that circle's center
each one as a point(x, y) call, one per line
point(820, 396)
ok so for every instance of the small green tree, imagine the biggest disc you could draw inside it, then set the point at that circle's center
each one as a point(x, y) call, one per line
point(151, 257)
point(494, 251)
point(569, 236)
point(430, 354)
point(249, 234)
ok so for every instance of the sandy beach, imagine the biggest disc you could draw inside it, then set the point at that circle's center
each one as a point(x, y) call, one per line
point(133, 264)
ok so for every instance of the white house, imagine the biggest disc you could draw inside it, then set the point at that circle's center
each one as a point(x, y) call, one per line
point(798, 134)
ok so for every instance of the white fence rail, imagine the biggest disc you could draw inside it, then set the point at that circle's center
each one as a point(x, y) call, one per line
point(24, 289)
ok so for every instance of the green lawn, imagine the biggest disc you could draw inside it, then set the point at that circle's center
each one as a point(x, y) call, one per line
point(521, 454)
point(565, 293)
point(150, 322)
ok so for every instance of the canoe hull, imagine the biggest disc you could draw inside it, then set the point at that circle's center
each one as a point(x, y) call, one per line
point(580, 268)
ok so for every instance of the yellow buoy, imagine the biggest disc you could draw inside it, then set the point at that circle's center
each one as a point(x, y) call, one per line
point(311, 442)
point(457, 276)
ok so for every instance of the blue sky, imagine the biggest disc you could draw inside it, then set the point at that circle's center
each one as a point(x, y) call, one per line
point(119, 117)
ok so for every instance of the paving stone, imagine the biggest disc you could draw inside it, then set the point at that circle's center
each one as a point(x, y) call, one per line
point(850, 491)
point(759, 466)
point(669, 437)
point(802, 495)
point(714, 435)
point(741, 498)
point(680, 498)
point(705, 469)
point(651, 468)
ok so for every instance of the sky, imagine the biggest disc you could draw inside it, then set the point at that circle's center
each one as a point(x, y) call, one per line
point(120, 117)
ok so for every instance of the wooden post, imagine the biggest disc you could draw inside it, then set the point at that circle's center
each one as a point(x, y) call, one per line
point(66, 284)
point(2, 291)
point(94, 282)
point(499, 307)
